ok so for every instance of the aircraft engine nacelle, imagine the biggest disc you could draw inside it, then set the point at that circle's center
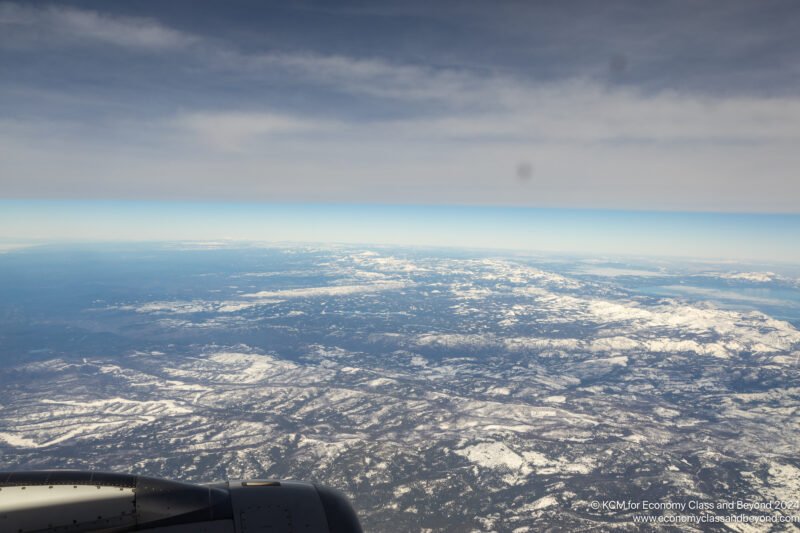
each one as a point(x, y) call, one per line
point(77, 501)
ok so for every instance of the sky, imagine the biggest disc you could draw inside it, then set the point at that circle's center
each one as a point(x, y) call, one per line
point(609, 107)
point(745, 238)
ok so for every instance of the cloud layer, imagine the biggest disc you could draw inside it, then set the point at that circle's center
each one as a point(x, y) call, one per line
point(137, 108)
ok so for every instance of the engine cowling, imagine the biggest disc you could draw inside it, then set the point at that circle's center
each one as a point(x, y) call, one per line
point(78, 501)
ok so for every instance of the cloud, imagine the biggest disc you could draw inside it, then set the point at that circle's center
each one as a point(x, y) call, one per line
point(588, 112)
point(376, 77)
point(233, 131)
point(29, 26)
point(25, 25)
point(472, 104)
point(369, 129)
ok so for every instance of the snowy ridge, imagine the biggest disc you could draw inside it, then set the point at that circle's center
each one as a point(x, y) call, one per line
point(481, 393)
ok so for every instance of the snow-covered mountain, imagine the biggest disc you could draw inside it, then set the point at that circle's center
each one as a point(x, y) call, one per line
point(442, 392)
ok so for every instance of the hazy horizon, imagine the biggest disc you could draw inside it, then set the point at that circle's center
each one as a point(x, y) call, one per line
point(749, 237)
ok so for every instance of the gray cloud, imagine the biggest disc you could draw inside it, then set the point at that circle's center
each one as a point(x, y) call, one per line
point(207, 117)
point(30, 26)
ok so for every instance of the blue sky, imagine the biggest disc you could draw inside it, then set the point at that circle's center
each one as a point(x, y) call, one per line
point(726, 236)
point(618, 106)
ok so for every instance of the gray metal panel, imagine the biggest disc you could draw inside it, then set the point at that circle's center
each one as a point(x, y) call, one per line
point(218, 526)
point(77, 501)
point(161, 499)
point(288, 507)
point(93, 501)
point(77, 507)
